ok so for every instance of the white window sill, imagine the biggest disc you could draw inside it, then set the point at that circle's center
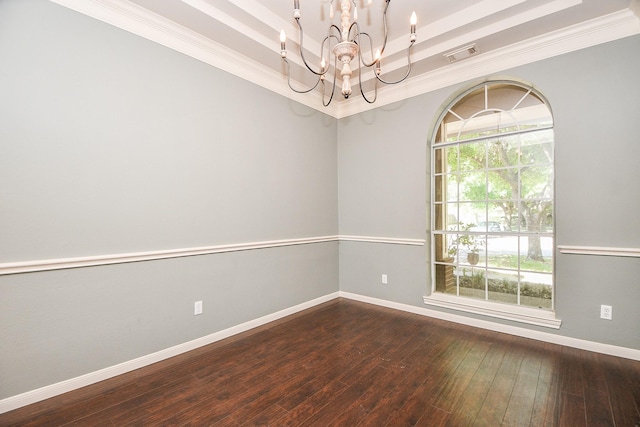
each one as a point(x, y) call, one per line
point(532, 316)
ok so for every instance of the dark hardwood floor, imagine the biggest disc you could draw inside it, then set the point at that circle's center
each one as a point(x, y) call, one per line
point(346, 363)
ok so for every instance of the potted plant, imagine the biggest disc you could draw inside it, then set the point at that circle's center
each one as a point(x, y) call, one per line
point(470, 242)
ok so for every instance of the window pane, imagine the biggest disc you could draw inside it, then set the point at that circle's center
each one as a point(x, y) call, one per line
point(535, 215)
point(536, 137)
point(536, 154)
point(514, 218)
point(502, 252)
point(446, 217)
point(451, 158)
point(445, 278)
point(497, 214)
point(503, 152)
point(451, 187)
point(446, 188)
point(472, 282)
point(470, 250)
point(473, 156)
point(536, 182)
point(473, 185)
point(439, 194)
point(503, 286)
point(502, 183)
point(536, 279)
point(536, 291)
point(536, 254)
point(471, 213)
point(453, 247)
point(446, 159)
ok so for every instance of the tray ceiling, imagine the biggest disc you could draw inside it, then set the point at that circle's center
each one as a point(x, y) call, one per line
point(241, 36)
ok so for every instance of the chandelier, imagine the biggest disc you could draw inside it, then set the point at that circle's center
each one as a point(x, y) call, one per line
point(346, 43)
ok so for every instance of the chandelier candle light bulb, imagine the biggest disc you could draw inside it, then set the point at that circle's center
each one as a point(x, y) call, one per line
point(413, 22)
point(346, 42)
point(283, 40)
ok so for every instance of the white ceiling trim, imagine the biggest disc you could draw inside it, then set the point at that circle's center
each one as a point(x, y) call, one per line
point(429, 31)
point(465, 17)
point(217, 15)
point(590, 33)
point(470, 37)
point(276, 23)
point(137, 20)
point(264, 15)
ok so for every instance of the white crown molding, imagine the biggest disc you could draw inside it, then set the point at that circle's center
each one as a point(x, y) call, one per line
point(580, 36)
point(37, 395)
point(137, 20)
point(465, 17)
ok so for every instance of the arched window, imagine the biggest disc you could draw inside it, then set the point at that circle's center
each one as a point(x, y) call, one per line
point(492, 197)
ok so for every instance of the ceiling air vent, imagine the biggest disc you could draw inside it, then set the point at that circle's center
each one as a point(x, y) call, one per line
point(462, 53)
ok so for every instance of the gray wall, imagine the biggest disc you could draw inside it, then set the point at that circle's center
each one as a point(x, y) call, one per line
point(384, 169)
point(113, 144)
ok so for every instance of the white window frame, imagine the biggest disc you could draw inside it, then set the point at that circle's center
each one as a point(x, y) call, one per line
point(517, 313)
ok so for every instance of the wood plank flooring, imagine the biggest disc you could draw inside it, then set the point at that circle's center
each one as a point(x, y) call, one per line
point(346, 363)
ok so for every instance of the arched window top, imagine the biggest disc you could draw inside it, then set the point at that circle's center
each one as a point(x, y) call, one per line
point(493, 108)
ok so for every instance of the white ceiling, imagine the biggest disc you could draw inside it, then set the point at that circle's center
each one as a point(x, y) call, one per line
point(241, 36)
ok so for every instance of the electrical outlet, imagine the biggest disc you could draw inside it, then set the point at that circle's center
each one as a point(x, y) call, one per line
point(384, 279)
point(606, 312)
point(197, 308)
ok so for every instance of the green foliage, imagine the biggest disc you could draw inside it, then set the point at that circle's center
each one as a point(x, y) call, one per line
point(504, 286)
point(514, 173)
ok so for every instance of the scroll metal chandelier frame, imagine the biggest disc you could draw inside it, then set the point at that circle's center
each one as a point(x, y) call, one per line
point(345, 44)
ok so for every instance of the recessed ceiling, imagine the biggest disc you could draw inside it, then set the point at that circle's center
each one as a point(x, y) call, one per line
point(241, 36)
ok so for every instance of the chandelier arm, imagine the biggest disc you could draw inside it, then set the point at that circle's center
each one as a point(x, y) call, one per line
point(366, 64)
point(351, 27)
point(335, 27)
point(408, 68)
point(375, 85)
point(333, 87)
point(349, 42)
point(385, 26)
point(386, 35)
point(302, 50)
point(327, 40)
point(289, 80)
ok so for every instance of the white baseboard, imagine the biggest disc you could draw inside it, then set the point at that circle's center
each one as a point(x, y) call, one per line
point(627, 353)
point(33, 396)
